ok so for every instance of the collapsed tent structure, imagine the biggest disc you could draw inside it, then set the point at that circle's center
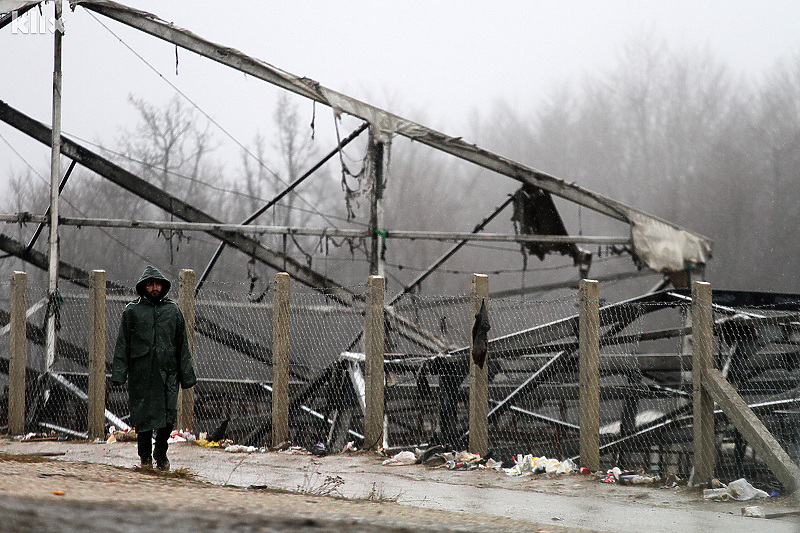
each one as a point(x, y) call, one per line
point(533, 369)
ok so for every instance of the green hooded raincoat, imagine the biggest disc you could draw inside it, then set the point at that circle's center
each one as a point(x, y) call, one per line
point(152, 354)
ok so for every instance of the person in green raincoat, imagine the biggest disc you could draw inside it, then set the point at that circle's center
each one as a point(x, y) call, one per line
point(152, 355)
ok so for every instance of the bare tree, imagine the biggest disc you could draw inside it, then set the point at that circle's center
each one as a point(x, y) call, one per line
point(169, 147)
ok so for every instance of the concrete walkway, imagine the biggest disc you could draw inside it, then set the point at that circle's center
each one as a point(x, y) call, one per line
point(568, 501)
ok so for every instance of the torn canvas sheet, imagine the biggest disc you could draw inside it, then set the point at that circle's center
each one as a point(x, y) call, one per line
point(665, 248)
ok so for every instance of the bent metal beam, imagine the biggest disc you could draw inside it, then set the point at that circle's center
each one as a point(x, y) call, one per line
point(661, 245)
point(189, 213)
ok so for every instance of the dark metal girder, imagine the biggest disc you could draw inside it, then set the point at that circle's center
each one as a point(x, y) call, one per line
point(292, 186)
point(186, 211)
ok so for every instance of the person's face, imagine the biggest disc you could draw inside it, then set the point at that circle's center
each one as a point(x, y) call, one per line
point(153, 287)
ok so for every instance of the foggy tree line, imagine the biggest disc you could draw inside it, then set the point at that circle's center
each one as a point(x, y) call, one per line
point(674, 133)
point(678, 135)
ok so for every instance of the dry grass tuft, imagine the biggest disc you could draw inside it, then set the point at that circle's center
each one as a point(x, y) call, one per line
point(178, 473)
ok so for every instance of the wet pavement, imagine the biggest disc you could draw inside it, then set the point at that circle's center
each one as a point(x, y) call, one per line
point(570, 501)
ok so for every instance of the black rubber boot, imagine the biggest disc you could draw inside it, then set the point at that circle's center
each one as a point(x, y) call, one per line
point(162, 463)
point(161, 445)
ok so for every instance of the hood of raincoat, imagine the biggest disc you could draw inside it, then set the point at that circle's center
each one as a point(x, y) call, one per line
point(151, 272)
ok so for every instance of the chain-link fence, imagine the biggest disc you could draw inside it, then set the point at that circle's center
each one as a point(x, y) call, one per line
point(757, 350)
point(645, 383)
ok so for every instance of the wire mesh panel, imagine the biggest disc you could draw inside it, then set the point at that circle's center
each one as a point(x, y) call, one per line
point(233, 362)
point(46, 400)
point(322, 393)
point(645, 382)
point(426, 395)
point(758, 352)
point(5, 350)
point(646, 387)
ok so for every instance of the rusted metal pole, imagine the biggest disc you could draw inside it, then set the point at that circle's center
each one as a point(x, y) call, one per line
point(589, 372)
point(280, 358)
point(373, 364)
point(186, 302)
point(17, 353)
point(97, 354)
point(55, 174)
point(702, 362)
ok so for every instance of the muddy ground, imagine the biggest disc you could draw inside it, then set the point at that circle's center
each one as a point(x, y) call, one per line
point(78, 486)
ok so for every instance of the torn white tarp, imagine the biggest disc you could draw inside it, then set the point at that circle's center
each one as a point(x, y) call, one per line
point(665, 248)
point(8, 6)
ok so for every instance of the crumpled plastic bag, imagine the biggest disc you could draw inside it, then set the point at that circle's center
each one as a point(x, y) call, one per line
point(536, 465)
point(740, 490)
point(239, 448)
point(492, 464)
point(401, 459)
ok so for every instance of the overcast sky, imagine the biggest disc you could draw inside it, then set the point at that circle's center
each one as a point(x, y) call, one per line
point(436, 62)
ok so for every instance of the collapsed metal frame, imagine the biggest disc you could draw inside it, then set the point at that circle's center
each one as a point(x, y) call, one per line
point(735, 317)
point(693, 251)
point(382, 124)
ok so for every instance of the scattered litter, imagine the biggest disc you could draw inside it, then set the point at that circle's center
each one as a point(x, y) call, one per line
point(283, 446)
point(35, 437)
point(207, 443)
point(740, 490)
point(672, 480)
point(719, 495)
point(463, 461)
point(629, 477)
point(238, 448)
point(58, 492)
point(319, 449)
point(295, 450)
point(753, 511)
point(219, 433)
point(537, 465)
point(114, 435)
point(435, 460)
point(350, 447)
point(494, 465)
point(466, 457)
point(638, 479)
point(181, 435)
point(401, 459)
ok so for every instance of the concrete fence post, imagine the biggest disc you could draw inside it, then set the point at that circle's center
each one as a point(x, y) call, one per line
point(281, 321)
point(702, 361)
point(186, 303)
point(17, 353)
point(97, 354)
point(373, 364)
point(589, 373)
point(478, 372)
